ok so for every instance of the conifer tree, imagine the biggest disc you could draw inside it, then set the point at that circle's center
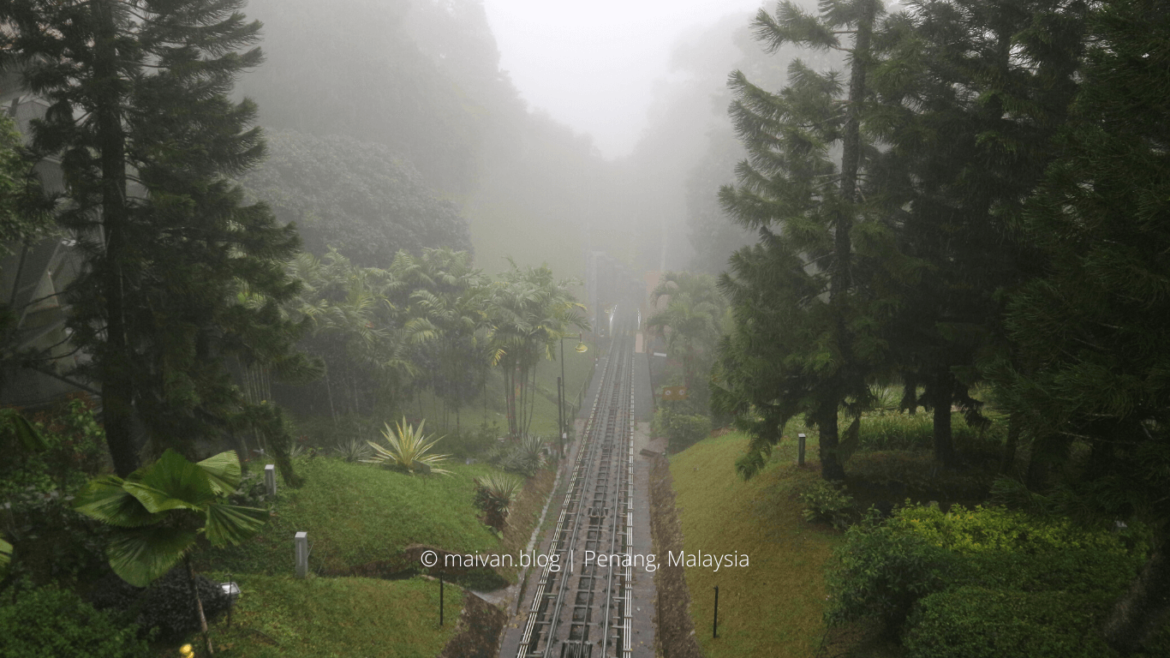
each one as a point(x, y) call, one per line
point(1092, 330)
point(969, 100)
point(180, 274)
point(805, 337)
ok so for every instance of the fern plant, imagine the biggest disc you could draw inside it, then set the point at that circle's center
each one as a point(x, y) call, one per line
point(408, 450)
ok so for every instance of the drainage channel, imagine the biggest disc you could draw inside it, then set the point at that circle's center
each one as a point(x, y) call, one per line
point(581, 607)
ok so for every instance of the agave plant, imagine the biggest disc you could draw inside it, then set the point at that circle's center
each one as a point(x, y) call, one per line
point(525, 456)
point(353, 450)
point(494, 494)
point(408, 450)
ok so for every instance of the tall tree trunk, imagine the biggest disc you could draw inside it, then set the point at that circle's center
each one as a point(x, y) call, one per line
point(831, 467)
point(909, 402)
point(1145, 608)
point(198, 605)
point(114, 368)
point(942, 394)
point(840, 277)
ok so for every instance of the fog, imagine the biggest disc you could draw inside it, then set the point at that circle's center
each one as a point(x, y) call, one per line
point(551, 131)
point(609, 280)
point(594, 66)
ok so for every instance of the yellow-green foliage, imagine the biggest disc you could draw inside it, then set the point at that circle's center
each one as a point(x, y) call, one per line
point(774, 606)
point(409, 449)
point(983, 529)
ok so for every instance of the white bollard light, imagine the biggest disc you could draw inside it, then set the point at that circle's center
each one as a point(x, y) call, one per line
point(301, 542)
point(270, 479)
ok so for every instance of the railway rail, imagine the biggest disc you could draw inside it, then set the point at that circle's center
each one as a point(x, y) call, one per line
point(582, 604)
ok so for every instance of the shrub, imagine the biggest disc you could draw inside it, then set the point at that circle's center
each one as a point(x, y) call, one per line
point(884, 569)
point(902, 431)
point(1000, 529)
point(473, 443)
point(525, 456)
point(75, 450)
point(974, 622)
point(896, 431)
point(52, 541)
point(251, 491)
point(680, 429)
point(881, 572)
point(916, 475)
point(48, 623)
point(166, 605)
point(494, 494)
point(827, 501)
point(1074, 570)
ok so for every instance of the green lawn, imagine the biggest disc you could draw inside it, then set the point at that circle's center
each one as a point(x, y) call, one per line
point(357, 513)
point(772, 607)
point(282, 617)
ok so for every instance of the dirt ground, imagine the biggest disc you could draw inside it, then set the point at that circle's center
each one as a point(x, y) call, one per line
point(676, 631)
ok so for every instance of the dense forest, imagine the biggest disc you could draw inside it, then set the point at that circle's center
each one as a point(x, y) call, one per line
point(928, 238)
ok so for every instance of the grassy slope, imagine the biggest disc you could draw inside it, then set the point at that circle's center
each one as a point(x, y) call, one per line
point(359, 513)
point(774, 606)
point(278, 616)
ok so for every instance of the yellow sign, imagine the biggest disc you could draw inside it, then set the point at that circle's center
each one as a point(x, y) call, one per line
point(674, 392)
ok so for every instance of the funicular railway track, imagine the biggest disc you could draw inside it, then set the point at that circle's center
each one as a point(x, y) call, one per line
point(581, 607)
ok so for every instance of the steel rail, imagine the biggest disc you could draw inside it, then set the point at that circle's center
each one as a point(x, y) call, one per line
point(576, 481)
point(629, 446)
point(617, 360)
point(607, 441)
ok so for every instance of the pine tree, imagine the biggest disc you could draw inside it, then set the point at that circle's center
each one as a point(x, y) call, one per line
point(970, 99)
point(805, 328)
point(1092, 330)
point(147, 136)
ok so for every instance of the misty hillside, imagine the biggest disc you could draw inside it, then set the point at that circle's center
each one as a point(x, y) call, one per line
point(524, 329)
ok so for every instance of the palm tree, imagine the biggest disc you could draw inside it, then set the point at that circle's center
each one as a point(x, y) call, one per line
point(447, 308)
point(531, 311)
point(159, 511)
point(354, 325)
point(691, 319)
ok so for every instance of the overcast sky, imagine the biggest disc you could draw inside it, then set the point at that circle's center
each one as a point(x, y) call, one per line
point(593, 64)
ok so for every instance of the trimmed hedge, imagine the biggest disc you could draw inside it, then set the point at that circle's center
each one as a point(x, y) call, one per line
point(885, 570)
point(974, 622)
